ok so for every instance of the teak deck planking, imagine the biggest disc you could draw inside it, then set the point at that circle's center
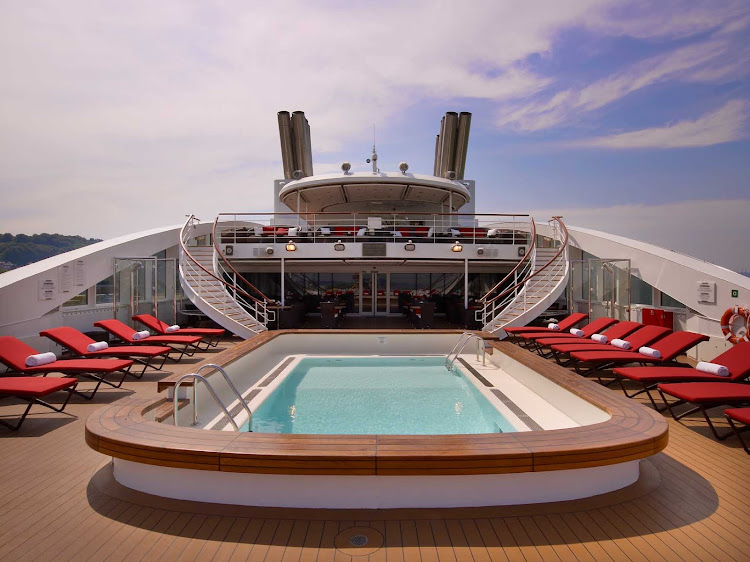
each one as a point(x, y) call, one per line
point(692, 503)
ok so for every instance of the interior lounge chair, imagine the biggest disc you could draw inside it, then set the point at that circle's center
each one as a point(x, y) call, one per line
point(182, 345)
point(703, 396)
point(210, 336)
point(669, 347)
point(32, 390)
point(77, 344)
point(565, 324)
point(593, 327)
point(736, 359)
point(741, 415)
point(13, 353)
point(643, 336)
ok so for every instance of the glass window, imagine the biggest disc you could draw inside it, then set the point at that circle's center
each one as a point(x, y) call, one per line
point(640, 291)
point(78, 300)
point(105, 291)
point(666, 300)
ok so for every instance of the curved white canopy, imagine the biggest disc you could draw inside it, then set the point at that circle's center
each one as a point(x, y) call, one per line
point(367, 191)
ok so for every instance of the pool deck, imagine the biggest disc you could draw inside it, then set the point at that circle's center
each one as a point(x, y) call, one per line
point(58, 501)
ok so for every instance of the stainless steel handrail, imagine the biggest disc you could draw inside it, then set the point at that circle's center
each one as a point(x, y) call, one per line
point(231, 385)
point(462, 341)
point(197, 377)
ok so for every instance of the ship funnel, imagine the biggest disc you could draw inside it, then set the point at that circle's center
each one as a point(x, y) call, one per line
point(296, 146)
point(287, 152)
point(451, 145)
point(462, 143)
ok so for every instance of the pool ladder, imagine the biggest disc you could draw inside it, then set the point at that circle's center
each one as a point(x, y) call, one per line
point(196, 377)
point(465, 338)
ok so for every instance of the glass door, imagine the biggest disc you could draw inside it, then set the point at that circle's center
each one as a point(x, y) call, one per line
point(600, 287)
point(374, 293)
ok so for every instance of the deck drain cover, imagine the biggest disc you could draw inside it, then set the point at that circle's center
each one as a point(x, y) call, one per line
point(358, 541)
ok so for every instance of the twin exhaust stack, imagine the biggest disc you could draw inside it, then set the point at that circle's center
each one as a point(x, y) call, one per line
point(451, 145)
point(296, 147)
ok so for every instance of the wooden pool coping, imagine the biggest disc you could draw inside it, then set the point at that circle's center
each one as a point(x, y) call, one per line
point(633, 432)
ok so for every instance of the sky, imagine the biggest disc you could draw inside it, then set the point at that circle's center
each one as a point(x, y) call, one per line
point(631, 117)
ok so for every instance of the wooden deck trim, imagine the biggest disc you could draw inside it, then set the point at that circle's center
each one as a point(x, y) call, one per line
point(633, 432)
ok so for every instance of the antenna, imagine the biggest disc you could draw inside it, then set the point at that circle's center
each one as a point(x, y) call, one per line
point(374, 157)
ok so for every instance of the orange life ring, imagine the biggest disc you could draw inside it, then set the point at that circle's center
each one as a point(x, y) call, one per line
point(733, 333)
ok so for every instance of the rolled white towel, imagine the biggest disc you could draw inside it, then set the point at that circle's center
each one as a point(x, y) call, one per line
point(577, 333)
point(40, 359)
point(361, 231)
point(622, 344)
point(712, 368)
point(649, 352)
point(142, 335)
point(552, 326)
point(601, 338)
point(172, 328)
point(97, 346)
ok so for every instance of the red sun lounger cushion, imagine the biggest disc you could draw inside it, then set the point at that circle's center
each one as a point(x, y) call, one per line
point(565, 324)
point(33, 387)
point(708, 392)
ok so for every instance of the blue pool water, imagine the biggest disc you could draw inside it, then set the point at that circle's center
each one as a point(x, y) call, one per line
point(377, 395)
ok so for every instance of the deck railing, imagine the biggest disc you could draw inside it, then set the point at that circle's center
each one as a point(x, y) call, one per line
point(238, 228)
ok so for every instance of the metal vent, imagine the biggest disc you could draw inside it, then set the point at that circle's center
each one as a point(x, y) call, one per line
point(358, 540)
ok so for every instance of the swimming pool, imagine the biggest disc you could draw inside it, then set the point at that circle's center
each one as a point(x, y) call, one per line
point(580, 439)
point(377, 395)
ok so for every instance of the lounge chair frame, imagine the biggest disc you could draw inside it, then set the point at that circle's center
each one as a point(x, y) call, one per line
point(35, 400)
point(703, 409)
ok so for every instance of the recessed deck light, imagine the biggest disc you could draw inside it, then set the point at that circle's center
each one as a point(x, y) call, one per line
point(409, 246)
point(339, 246)
point(291, 246)
point(457, 247)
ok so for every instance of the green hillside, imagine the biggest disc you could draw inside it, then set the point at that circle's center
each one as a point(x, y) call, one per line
point(23, 249)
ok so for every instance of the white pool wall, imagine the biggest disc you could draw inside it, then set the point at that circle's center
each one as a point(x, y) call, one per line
point(374, 492)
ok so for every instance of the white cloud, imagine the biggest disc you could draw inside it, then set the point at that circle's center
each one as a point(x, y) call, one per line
point(121, 116)
point(713, 61)
point(726, 124)
point(695, 228)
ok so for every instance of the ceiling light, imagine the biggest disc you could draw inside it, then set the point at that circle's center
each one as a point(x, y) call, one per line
point(457, 247)
point(339, 246)
point(409, 246)
point(291, 246)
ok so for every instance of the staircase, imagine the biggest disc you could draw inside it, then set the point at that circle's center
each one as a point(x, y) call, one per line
point(545, 280)
point(223, 302)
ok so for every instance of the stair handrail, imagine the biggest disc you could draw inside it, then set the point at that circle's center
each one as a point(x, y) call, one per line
point(183, 246)
point(563, 247)
point(526, 258)
point(218, 251)
point(196, 377)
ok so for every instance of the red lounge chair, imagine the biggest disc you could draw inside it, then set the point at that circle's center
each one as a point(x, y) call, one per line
point(593, 327)
point(741, 415)
point(736, 359)
point(77, 343)
point(179, 344)
point(13, 353)
point(211, 336)
point(645, 335)
point(704, 396)
point(565, 324)
point(33, 389)
point(670, 347)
